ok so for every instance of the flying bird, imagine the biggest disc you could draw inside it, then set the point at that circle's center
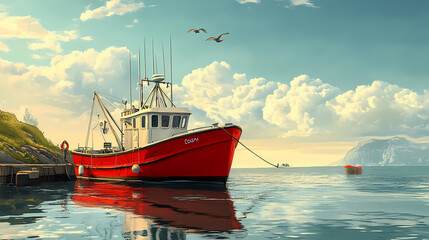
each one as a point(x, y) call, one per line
point(197, 30)
point(218, 40)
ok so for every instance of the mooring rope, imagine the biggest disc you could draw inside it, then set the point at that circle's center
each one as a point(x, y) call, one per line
point(276, 166)
point(11, 176)
point(66, 165)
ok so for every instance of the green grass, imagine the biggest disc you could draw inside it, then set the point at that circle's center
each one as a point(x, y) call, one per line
point(14, 134)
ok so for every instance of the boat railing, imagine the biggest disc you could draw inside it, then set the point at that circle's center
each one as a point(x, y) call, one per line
point(83, 149)
point(195, 129)
point(90, 150)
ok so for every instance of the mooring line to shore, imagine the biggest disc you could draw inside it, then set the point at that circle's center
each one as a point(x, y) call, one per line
point(66, 167)
point(11, 176)
point(276, 166)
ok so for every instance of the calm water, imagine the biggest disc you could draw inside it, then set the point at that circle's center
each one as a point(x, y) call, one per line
point(294, 203)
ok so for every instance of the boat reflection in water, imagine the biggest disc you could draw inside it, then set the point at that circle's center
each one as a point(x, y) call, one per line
point(161, 212)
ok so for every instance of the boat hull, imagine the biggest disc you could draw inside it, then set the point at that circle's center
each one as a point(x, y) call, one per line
point(204, 155)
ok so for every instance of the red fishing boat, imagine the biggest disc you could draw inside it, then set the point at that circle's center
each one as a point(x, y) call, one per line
point(154, 143)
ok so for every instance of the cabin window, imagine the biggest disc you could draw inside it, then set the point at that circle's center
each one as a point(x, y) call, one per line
point(154, 121)
point(143, 121)
point(184, 122)
point(176, 121)
point(134, 123)
point(165, 121)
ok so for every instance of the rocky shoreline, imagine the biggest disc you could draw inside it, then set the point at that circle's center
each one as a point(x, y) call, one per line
point(42, 155)
point(22, 143)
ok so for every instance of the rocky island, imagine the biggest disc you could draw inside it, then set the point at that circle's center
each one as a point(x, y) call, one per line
point(396, 151)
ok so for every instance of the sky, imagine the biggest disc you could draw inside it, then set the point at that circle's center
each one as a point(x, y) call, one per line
point(305, 79)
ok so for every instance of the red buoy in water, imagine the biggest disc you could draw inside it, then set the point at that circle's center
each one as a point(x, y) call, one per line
point(352, 170)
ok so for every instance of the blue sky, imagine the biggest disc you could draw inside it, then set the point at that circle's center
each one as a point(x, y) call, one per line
point(345, 43)
point(290, 71)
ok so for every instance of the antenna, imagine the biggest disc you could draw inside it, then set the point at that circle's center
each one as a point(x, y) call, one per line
point(153, 60)
point(156, 63)
point(144, 58)
point(139, 66)
point(163, 59)
point(171, 73)
point(131, 96)
point(140, 84)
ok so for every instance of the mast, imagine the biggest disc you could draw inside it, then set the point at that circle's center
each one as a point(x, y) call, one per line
point(163, 59)
point(103, 108)
point(156, 64)
point(144, 47)
point(140, 85)
point(153, 60)
point(131, 97)
point(90, 121)
point(171, 74)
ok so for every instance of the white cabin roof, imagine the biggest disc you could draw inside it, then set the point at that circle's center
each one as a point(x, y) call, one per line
point(175, 110)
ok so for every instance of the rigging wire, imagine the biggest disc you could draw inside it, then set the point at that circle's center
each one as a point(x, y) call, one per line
point(90, 121)
point(111, 103)
point(119, 100)
point(276, 166)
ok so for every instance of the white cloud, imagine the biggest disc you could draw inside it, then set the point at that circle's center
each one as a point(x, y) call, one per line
point(66, 36)
point(382, 109)
point(132, 25)
point(293, 108)
point(60, 94)
point(4, 47)
point(306, 107)
point(248, 1)
point(26, 27)
point(21, 27)
point(35, 56)
point(8, 68)
point(307, 3)
point(87, 38)
point(225, 96)
point(315, 108)
point(112, 7)
point(88, 77)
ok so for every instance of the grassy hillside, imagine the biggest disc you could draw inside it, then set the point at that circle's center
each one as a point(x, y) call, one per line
point(15, 134)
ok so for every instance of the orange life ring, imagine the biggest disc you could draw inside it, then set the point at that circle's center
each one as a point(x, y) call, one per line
point(65, 143)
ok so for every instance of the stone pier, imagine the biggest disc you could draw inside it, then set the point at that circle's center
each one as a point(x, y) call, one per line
point(31, 174)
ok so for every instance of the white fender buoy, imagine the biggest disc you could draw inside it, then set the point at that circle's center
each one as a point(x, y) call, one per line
point(81, 170)
point(135, 169)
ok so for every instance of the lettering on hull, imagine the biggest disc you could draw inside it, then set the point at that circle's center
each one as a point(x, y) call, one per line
point(191, 140)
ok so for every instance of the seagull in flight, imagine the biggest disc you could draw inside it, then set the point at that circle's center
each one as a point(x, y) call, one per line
point(197, 30)
point(218, 40)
